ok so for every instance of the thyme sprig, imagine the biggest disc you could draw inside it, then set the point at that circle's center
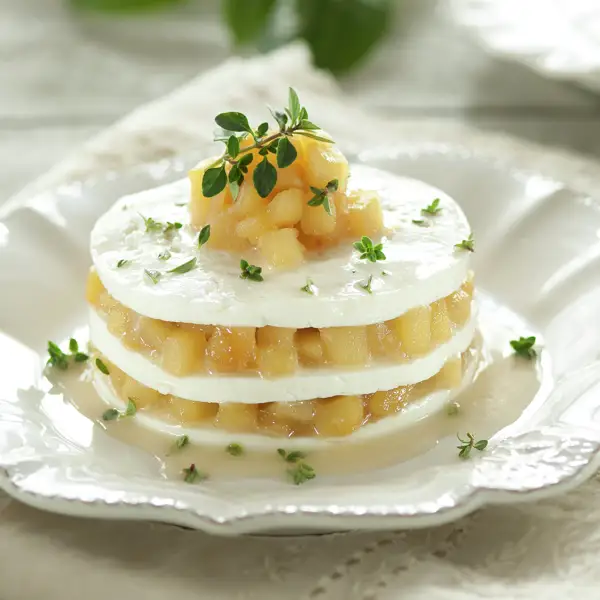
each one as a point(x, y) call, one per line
point(464, 450)
point(61, 360)
point(292, 121)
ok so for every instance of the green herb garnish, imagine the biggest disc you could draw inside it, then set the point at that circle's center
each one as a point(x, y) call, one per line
point(468, 244)
point(192, 475)
point(102, 367)
point(171, 227)
point(292, 122)
point(309, 288)
point(367, 286)
point(321, 195)
point(164, 255)
point(151, 224)
point(235, 449)
point(112, 414)
point(203, 236)
point(301, 473)
point(185, 267)
point(122, 262)
point(524, 347)
point(368, 251)
point(251, 272)
point(182, 442)
point(470, 443)
point(452, 409)
point(291, 457)
point(59, 359)
point(432, 209)
point(154, 276)
point(421, 222)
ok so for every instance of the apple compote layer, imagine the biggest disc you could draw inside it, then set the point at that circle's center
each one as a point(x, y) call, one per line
point(183, 349)
point(324, 417)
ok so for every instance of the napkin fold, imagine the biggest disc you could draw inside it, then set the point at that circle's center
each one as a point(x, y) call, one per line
point(545, 550)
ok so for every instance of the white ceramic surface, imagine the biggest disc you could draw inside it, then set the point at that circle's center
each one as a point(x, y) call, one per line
point(557, 38)
point(538, 247)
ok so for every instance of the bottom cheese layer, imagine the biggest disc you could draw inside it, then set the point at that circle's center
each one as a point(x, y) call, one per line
point(334, 417)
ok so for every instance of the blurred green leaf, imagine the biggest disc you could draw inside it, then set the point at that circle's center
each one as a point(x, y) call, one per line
point(123, 5)
point(341, 32)
point(247, 19)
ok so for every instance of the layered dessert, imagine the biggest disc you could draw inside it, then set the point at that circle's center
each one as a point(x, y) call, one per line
point(279, 292)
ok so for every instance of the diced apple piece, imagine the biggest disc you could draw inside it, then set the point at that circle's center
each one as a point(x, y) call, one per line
point(107, 302)
point(339, 416)
point(302, 412)
point(183, 352)
point(117, 377)
point(237, 417)
point(188, 411)
point(222, 228)
point(281, 248)
point(309, 347)
point(253, 228)
point(154, 333)
point(285, 210)
point(364, 214)
point(290, 177)
point(144, 397)
point(323, 162)
point(459, 307)
point(346, 345)
point(441, 327)
point(316, 220)
point(119, 320)
point(93, 288)
point(232, 349)
point(248, 202)
point(382, 340)
point(450, 375)
point(275, 351)
point(414, 330)
point(383, 404)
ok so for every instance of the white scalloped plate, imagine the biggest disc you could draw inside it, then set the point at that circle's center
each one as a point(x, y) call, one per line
point(557, 38)
point(538, 253)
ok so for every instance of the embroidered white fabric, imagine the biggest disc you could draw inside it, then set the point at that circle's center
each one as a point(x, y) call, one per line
point(544, 550)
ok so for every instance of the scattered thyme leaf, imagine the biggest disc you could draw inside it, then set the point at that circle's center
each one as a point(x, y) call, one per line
point(122, 262)
point(164, 255)
point(112, 414)
point(433, 208)
point(56, 357)
point(154, 276)
point(367, 286)
point(203, 236)
point(524, 347)
point(59, 359)
point(301, 473)
point(185, 267)
point(171, 228)
point(181, 442)
point(102, 367)
point(464, 450)
point(468, 244)
point(151, 224)
point(291, 457)
point(452, 409)
point(421, 222)
point(251, 272)
point(131, 408)
point(192, 475)
point(321, 195)
point(368, 251)
point(235, 449)
point(385, 273)
point(309, 288)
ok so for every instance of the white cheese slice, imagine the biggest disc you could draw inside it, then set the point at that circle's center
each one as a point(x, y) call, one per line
point(422, 264)
point(305, 384)
point(212, 436)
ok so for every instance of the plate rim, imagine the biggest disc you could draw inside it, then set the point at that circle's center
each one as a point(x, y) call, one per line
point(579, 174)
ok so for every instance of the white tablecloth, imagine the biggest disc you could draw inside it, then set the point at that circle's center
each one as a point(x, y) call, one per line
point(540, 551)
